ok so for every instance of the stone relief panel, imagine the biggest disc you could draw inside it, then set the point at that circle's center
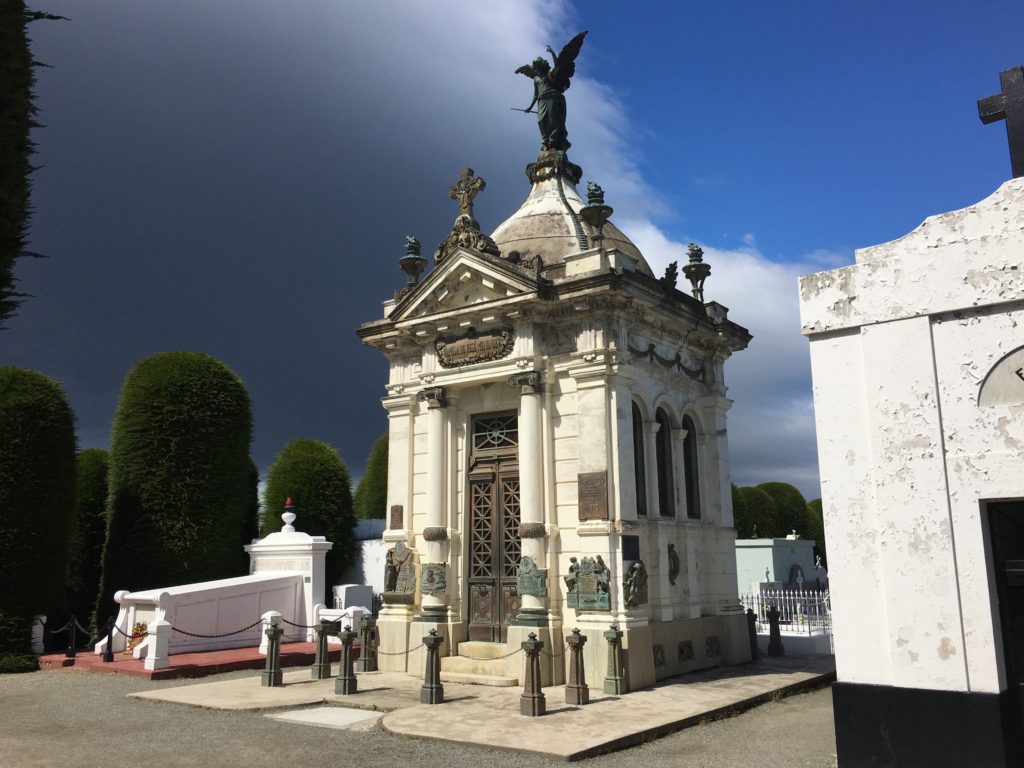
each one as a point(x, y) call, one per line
point(587, 584)
point(399, 575)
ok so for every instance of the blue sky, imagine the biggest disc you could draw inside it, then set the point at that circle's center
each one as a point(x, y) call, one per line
point(238, 177)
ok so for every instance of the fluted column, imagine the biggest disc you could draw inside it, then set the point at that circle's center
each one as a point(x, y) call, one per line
point(434, 557)
point(531, 492)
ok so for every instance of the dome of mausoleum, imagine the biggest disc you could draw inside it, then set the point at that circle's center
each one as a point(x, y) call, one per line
point(548, 224)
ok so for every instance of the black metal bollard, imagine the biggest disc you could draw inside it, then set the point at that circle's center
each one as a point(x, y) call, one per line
point(755, 652)
point(367, 661)
point(576, 690)
point(272, 672)
point(345, 683)
point(532, 703)
point(774, 635)
point(322, 663)
point(615, 681)
point(108, 652)
point(432, 691)
point(72, 639)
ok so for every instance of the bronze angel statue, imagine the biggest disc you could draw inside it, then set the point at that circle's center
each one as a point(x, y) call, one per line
point(550, 82)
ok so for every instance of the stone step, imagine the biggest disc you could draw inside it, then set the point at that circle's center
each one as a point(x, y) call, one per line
point(468, 666)
point(500, 681)
point(482, 650)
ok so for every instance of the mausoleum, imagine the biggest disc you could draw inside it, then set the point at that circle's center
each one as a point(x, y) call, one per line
point(558, 445)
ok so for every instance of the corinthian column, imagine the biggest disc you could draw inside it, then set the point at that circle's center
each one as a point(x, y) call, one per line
point(434, 562)
point(531, 492)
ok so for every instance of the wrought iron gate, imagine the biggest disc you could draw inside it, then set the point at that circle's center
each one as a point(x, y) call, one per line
point(494, 543)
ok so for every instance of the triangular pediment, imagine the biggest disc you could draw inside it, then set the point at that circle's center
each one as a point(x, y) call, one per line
point(464, 279)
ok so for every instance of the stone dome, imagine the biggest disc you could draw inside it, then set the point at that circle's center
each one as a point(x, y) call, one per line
point(548, 224)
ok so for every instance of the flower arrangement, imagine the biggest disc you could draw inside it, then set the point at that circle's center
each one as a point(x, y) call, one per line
point(139, 631)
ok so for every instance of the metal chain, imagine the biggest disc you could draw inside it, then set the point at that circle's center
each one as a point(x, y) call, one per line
point(226, 634)
point(132, 636)
point(492, 658)
point(299, 626)
point(556, 655)
point(400, 653)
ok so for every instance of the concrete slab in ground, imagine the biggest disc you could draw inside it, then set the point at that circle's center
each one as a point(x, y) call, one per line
point(489, 717)
point(341, 718)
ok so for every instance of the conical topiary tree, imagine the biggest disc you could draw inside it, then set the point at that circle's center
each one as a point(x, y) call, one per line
point(85, 553)
point(790, 508)
point(316, 479)
point(371, 497)
point(37, 499)
point(180, 476)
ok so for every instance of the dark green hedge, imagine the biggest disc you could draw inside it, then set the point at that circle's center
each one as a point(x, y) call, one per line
point(817, 530)
point(37, 499)
point(85, 553)
point(317, 480)
point(371, 498)
point(742, 520)
point(180, 476)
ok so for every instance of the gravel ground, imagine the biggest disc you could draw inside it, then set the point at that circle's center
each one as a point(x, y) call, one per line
point(72, 718)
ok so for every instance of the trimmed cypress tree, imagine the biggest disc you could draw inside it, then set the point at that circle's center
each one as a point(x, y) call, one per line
point(180, 476)
point(317, 480)
point(817, 530)
point(790, 508)
point(371, 497)
point(37, 499)
point(741, 518)
point(85, 553)
point(760, 510)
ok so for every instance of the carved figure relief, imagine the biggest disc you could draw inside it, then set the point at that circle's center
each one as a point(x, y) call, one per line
point(634, 585)
point(530, 580)
point(673, 564)
point(587, 584)
point(399, 575)
point(434, 580)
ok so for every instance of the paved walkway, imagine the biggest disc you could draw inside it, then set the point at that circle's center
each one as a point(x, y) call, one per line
point(489, 717)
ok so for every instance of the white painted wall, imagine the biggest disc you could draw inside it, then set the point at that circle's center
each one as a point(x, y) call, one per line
point(901, 343)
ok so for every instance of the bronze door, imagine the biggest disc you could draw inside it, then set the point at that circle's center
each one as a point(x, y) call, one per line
point(494, 548)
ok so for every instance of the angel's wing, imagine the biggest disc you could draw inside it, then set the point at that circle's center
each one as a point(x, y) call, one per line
point(565, 62)
point(527, 70)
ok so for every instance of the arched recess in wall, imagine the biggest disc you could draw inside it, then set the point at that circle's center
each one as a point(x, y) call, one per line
point(639, 465)
point(691, 469)
point(663, 449)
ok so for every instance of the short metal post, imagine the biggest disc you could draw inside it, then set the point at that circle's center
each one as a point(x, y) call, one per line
point(367, 661)
point(432, 691)
point(532, 703)
point(272, 672)
point(108, 652)
point(322, 663)
point(576, 690)
point(345, 683)
point(755, 652)
point(774, 634)
point(72, 639)
point(614, 681)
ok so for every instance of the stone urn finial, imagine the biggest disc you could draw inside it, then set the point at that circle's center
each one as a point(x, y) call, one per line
point(288, 517)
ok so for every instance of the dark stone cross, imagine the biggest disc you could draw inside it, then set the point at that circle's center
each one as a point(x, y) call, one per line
point(1008, 106)
point(465, 189)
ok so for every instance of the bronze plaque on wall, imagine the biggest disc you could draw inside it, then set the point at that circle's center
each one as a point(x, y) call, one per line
point(396, 517)
point(474, 347)
point(593, 495)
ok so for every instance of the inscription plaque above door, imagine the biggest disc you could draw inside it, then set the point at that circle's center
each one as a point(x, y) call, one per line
point(474, 347)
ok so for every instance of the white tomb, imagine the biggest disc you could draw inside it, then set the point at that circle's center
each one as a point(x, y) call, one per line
point(917, 354)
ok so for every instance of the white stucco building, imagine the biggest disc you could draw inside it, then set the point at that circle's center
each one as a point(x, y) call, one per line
point(917, 353)
point(557, 422)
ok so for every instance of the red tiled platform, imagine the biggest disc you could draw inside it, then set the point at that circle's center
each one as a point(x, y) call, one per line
point(189, 664)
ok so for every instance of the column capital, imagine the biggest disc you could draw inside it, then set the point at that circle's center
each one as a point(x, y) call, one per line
point(529, 383)
point(434, 397)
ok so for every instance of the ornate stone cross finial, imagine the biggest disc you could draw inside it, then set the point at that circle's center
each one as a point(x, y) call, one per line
point(1009, 106)
point(465, 189)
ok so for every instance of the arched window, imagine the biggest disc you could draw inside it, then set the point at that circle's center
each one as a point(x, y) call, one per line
point(691, 469)
point(663, 444)
point(639, 467)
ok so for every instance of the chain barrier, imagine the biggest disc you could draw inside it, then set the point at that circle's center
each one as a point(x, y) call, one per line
point(132, 636)
point(556, 655)
point(301, 626)
point(65, 628)
point(400, 653)
point(225, 634)
point(492, 658)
